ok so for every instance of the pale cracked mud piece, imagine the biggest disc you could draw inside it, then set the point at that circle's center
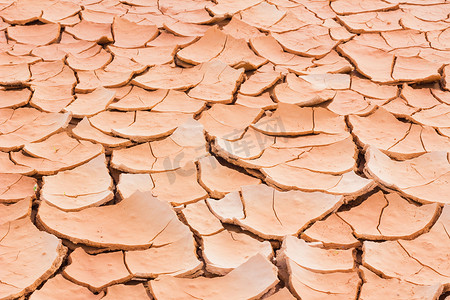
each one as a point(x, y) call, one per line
point(186, 144)
point(58, 287)
point(129, 34)
point(96, 271)
point(91, 31)
point(282, 294)
point(21, 244)
point(332, 232)
point(399, 140)
point(267, 212)
point(153, 219)
point(26, 125)
point(122, 291)
point(299, 91)
point(250, 280)
point(219, 179)
point(15, 211)
point(178, 187)
point(16, 187)
point(376, 287)
point(315, 273)
point(258, 82)
point(14, 98)
point(74, 189)
point(87, 105)
point(56, 153)
point(34, 34)
point(424, 178)
point(263, 101)
point(389, 216)
point(423, 260)
point(200, 219)
point(229, 122)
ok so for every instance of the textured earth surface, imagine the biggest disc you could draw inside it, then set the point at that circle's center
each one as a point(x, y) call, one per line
point(225, 149)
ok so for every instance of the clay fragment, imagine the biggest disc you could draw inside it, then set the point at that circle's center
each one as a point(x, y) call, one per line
point(16, 279)
point(141, 208)
point(121, 291)
point(96, 271)
point(422, 178)
point(58, 286)
point(132, 35)
point(273, 220)
point(16, 187)
point(34, 34)
point(85, 131)
point(87, 105)
point(389, 216)
point(74, 189)
point(239, 283)
point(91, 31)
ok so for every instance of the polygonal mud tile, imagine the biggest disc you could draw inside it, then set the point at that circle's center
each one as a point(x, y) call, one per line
point(226, 250)
point(373, 90)
point(21, 243)
point(267, 212)
point(16, 187)
point(177, 258)
point(219, 180)
point(282, 294)
point(315, 273)
point(122, 291)
point(230, 7)
point(310, 40)
point(424, 178)
point(185, 29)
point(75, 189)
point(423, 260)
point(91, 31)
point(149, 56)
point(96, 271)
point(299, 91)
point(87, 105)
point(346, 7)
point(241, 30)
point(132, 212)
point(169, 39)
point(263, 101)
point(179, 102)
point(51, 98)
point(219, 82)
point(330, 63)
point(250, 280)
point(139, 99)
point(389, 216)
point(168, 77)
point(85, 131)
point(58, 287)
point(229, 121)
point(14, 98)
point(94, 62)
point(7, 166)
point(349, 102)
point(332, 232)
point(372, 21)
point(18, 210)
point(56, 154)
point(132, 35)
point(376, 287)
point(14, 74)
point(262, 15)
point(200, 219)
point(437, 116)
point(34, 34)
point(415, 69)
point(260, 81)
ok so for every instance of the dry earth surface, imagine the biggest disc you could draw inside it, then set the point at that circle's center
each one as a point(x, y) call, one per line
point(225, 149)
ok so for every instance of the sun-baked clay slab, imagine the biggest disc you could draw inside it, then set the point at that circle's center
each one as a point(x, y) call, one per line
point(58, 287)
point(376, 287)
point(34, 34)
point(273, 219)
point(18, 210)
point(141, 210)
point(177, 259)
point(87, 105)
point(25, 125)
point(200, 219)
point(219, 179)
point(56, 154)
point(15, 187)
point(132, 35)
point(96, 271)
point(91, 31)
point(422, 178)
point(14, 98)
point(332, 232)
point(226, 250)
point(74, 189)
point(310, 278)
point(122, 291)
point(423, 260)
point(22, 272)
point(389, 216)
point(250, 280)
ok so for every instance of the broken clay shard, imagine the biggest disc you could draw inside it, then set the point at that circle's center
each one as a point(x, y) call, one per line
point(250, 280)
point(424, 178)
point(24, 273)
point(74, 189)
point(135, 214)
